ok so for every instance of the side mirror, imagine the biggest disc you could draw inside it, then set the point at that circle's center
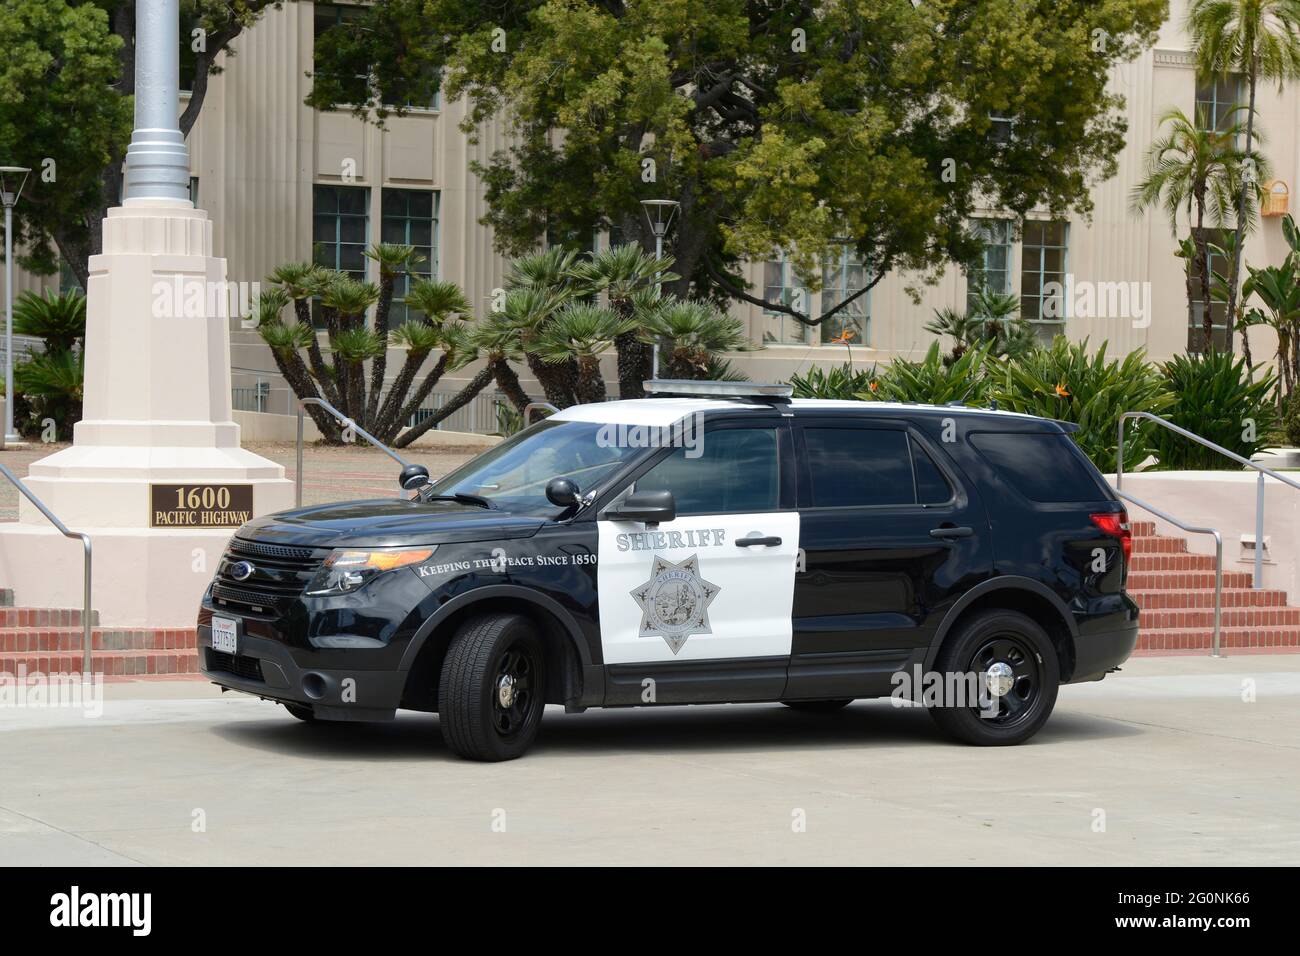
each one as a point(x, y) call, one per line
point(562, 492)
point(413, 477)
point(651, 507)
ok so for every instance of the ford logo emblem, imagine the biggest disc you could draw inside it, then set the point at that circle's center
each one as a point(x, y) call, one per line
point(241, 570)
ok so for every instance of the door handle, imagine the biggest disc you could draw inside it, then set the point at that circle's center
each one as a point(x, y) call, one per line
point(951, 532)
point(756, 542)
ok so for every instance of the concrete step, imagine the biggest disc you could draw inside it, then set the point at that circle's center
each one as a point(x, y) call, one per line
point(1154, 600)
point(109, 663)
point(47, 639)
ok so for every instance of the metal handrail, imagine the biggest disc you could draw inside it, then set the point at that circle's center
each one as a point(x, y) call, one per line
point(347, 423)
point(1258, 581)
point(537, 406)
point(85, 541)
point(1218, 560)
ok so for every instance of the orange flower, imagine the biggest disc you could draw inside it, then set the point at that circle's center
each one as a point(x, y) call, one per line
point(1061, 392)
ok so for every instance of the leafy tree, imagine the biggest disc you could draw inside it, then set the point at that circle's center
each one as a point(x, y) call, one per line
point(880, 124)
point(66, 81)
point(1258, 39)
point(1196, 170)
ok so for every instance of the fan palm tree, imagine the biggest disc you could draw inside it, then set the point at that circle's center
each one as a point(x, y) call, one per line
point(394, 259)
point(1195, 170)
point(582, 332)
point(1258, 39)
point(621, 272)
point(695, 333)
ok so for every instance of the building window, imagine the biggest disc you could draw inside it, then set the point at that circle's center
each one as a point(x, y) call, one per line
point(1216, 98)
point(1218, 309)
point(1043, 249)
point(780, 284)
point(992, 272)
point(841, 279)
point(340, 228)
point(356, 89)
point(410, 217)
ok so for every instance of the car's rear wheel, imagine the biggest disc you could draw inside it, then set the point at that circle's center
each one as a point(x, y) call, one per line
point(1001, 675)
point(818, 706)
point(492, 691)
point(302, 712)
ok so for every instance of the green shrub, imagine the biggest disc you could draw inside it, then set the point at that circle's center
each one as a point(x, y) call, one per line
point(933, 382)
point(841, 381)
point(1219, 399)
point(1065, 383)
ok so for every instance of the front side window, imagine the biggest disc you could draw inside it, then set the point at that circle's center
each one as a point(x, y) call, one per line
point(1043, 250)
point(734, 471)
point(514, 473)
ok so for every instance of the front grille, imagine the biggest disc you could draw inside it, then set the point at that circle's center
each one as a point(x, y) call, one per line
point(280, 573)
point(249, 668)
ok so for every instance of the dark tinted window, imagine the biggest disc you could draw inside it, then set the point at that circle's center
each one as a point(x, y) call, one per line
point(736, 472)
point(1042, 467)
point(932, 487)
point(858, 467)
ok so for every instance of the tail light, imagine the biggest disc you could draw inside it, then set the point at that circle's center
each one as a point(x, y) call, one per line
point(1116, 525)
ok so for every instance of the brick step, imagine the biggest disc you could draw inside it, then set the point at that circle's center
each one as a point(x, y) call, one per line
point(1158, 544)
point(1187, 638)
point(1142, 528)
point(1155, 600)
point(47, 639)
point(1172, 562)
point(1184, 580)
point(109, 663)
point(1232, 617)
point(42, 616)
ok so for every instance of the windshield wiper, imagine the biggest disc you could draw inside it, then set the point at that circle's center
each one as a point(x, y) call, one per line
point(463, 498)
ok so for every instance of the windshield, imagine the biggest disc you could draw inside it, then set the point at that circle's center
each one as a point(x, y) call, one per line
point(514, 473)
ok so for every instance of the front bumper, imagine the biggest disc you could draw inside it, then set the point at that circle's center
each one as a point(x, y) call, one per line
point(267, 669)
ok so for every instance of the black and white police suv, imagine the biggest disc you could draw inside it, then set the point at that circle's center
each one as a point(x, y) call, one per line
point(715, 543)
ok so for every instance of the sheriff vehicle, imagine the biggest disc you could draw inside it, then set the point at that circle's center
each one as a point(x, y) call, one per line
point(716, 542)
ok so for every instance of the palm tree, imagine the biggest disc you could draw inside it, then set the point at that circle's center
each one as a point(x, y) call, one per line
point(1198, 170)
point(695, 334)
point(1259, 39)
point(583, 332)
point(622, 272)
point(394, 259)
point(303, 281)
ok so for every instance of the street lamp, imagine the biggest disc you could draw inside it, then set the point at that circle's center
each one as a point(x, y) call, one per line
point(9, 193)
point(659, 213)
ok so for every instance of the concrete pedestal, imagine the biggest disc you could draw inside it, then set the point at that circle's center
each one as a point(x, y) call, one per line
point(157, 411)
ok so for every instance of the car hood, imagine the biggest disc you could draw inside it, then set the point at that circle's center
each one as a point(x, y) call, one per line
point(389, 522)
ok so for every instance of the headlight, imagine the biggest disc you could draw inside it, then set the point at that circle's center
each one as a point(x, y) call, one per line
point(345, 570)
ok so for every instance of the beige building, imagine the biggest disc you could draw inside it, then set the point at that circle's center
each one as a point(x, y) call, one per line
point(279, 179)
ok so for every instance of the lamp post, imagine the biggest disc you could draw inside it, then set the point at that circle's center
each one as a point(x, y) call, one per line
point(659, 213)
point(9, 196)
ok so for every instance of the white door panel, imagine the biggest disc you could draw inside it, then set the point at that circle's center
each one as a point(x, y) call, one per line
point(686, 591)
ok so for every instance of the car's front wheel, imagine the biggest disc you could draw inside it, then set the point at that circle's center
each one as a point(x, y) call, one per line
point(1000, 676)
point(492, 691)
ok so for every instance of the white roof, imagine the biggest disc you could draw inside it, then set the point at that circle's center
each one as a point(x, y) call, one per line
point(661, 412)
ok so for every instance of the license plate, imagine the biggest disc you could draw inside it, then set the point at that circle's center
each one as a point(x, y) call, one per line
point(224, 635)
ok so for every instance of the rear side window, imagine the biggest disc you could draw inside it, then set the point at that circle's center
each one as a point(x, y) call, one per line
point(1042, 466)
point(865, 467)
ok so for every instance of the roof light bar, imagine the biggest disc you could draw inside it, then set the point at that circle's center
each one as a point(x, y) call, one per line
point(698, 389)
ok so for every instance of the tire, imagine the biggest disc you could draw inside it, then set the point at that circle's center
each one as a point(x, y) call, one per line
point(818, 706)
point(1031, 677)
point(480, 719)
point(302, 712)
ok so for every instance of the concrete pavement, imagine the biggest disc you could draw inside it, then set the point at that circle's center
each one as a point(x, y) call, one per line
point(1170, 762)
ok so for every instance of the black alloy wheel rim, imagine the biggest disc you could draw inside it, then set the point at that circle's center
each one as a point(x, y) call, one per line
point(1026, 679)
point(517, 671)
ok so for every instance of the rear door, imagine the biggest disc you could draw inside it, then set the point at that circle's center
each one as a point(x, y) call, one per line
point(699, 608)
point(892, 536)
